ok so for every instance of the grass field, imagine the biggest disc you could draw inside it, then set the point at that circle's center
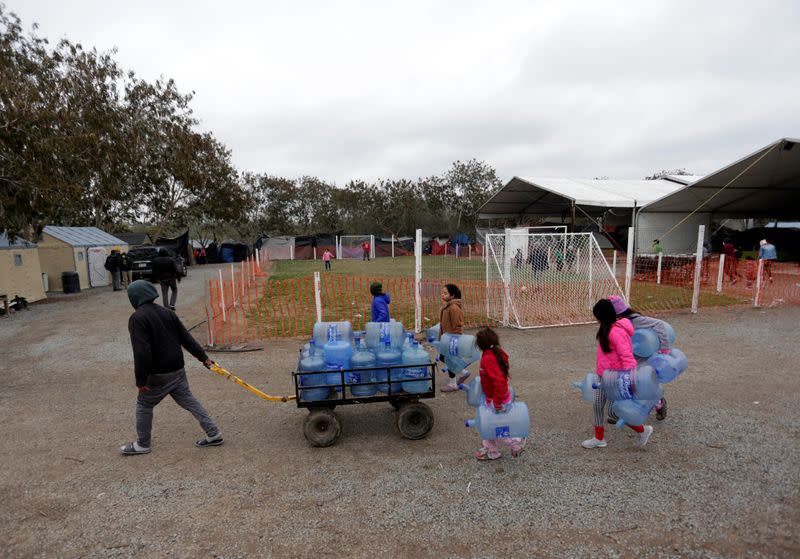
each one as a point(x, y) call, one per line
point(284, 305)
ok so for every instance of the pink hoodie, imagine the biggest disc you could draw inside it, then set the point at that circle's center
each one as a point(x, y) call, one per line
point(621, 357)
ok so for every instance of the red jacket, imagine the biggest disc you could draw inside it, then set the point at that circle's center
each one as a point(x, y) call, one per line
point(493, 382)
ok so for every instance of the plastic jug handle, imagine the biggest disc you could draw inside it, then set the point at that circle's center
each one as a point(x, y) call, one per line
point(620, 423)
point(577, 384)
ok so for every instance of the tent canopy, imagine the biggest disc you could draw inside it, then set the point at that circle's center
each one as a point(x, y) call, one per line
point(766, 183)
point(552, 197)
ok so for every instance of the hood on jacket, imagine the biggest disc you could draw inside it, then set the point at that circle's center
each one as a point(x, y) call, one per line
point(141, 292)
point(457, 302)
point(626, 325)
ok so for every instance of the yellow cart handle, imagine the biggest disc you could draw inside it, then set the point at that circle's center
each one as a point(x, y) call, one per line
point(230, 376)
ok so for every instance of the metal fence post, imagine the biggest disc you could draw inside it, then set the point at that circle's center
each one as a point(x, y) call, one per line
point(629, 256)
point(757, 298)
point(658, 268)
point(317, 297)
point(698, 266)
point(417, 281)
point(720, 273)
point(506, 275)
point(614, 264)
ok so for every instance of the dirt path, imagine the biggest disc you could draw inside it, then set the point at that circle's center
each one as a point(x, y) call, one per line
point(719, 479)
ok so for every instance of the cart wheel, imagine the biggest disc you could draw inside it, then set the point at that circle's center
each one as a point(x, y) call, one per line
point(414, 420)
point(321, 427)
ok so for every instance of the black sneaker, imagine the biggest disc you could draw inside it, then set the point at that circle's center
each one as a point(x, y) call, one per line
point(209, 441)
point(612, 418)
point(661, 413)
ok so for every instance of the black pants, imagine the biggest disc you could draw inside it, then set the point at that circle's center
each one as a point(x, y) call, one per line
point(165, 287)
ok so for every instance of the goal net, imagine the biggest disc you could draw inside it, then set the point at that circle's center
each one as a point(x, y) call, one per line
point(545, 279)
point(350, 246)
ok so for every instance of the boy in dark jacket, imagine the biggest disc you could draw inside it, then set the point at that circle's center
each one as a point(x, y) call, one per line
point(157, 336)
point(380, 303)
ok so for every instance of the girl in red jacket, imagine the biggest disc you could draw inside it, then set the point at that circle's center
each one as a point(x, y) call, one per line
point(494, 383)
point(614, 351)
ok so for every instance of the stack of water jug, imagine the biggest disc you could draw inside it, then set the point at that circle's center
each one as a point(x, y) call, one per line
point(459, 351)
point(339, 358)
point(633, 394)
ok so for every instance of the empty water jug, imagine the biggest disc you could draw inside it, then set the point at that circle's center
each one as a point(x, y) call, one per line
point(513, 421)
point(665, 365)
point(459, 350)
point(475, 396)
point(337, 354)
point(316, 383)
point(432, 335)
point(632, 412)
point(670, 332)
point(588, 386)
point(640, 383)
point(388, 356)
point(680, 357)
point(322, 332)
point(417, 369)
point(645, 342)
point(378, 332)
point(362, 358)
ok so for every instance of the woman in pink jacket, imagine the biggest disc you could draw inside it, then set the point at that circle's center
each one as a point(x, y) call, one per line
point(614, 351)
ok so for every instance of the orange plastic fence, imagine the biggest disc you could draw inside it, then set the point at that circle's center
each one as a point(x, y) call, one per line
point(247, 305)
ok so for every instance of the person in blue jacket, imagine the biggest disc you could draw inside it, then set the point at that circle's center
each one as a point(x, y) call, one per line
point(380, 302)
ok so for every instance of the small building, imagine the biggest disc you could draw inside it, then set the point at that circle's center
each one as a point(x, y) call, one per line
point(20, 272)
point(77, 249)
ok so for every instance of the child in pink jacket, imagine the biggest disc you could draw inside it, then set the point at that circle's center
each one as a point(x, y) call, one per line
point(614, 351)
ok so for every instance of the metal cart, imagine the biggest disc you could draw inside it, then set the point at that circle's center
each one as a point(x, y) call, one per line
point(322, 426)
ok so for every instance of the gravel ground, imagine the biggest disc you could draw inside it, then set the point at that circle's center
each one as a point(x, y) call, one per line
point(719, 478)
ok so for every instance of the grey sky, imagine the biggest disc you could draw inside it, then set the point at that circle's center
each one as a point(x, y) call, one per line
point(346, 90)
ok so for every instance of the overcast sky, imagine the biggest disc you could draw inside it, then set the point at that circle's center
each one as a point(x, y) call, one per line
point(346, 90)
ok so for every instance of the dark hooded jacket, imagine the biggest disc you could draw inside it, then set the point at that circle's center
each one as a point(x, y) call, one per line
point(164, 267)
point(157, 335)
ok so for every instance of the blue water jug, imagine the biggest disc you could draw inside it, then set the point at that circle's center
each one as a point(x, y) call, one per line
point(665, 365)
point(337, 354)
point(680, 357)
point(670, 332)
point(514, 421)
point(319, 389)
point(378, 332)
point(432, 335)
point(588, 387)
point(645, 342)
point(388, 356)
point(361, 358)
point(417, 363)
point(459, 350)
point(475, 396)
point(641, 383)
point(632, 412)
point(322, 329)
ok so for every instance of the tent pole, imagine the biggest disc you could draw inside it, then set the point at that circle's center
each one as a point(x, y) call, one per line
point(572, 229)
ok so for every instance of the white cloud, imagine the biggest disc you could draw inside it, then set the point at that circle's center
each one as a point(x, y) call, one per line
point(367, 89)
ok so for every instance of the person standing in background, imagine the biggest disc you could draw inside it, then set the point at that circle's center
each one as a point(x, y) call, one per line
point(112, 265)
point(166, 272)
point(125, 268)
point(769, 254)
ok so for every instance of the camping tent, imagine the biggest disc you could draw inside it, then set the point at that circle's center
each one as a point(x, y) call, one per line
point(178, 245)
point(233, 251)
point(20, 271)
point(77, 249)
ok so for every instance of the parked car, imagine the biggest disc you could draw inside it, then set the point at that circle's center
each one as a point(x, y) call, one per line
point(142, 261)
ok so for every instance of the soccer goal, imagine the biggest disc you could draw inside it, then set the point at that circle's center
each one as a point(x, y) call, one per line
point(351, 246)
point(545, 279)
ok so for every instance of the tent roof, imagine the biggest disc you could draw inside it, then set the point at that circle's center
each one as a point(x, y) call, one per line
point(18, 243)
point(83, 236)
point(765, 183)
point(549, 196)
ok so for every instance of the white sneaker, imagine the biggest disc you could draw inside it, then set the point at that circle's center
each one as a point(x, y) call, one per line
point(593, 443)
point(641, 438)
